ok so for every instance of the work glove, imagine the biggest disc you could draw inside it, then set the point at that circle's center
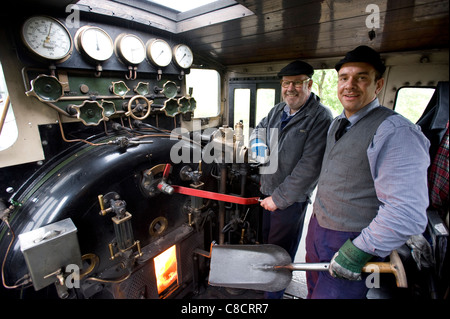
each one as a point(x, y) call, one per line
point(260, 151)
point(348, 262)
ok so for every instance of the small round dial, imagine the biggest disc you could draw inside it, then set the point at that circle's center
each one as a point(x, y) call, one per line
point(130, 48)
point(94, 42)
point(183, 56)
point(159, 52)
point(47, 38)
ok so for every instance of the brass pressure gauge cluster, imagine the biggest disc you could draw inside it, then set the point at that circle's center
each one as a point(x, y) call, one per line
point(48, 39)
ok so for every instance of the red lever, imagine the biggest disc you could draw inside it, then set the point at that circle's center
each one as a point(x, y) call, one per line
point(167, 171)
point(215, 196)
point(170, 189)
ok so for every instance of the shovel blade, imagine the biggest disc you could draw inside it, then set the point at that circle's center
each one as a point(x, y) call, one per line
point(250, 267)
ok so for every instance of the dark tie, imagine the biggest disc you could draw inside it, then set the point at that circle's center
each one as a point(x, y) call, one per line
point(343, 123)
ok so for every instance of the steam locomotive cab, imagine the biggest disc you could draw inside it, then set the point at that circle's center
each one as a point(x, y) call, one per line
point(124, 152)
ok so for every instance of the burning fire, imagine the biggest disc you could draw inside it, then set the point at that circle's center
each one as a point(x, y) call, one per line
point(166, 268)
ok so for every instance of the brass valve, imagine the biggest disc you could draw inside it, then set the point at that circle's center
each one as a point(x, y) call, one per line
point(124, 239)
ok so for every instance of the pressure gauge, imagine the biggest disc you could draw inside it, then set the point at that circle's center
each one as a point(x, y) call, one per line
point(183, 56)
point(94, 42)
point(47, 38)
point(130, 49)
point(159, 52)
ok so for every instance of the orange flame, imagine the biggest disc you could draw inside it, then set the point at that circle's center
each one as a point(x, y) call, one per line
point(166, 268)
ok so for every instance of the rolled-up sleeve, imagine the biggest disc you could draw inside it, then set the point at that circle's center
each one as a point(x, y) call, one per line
point(399, 159)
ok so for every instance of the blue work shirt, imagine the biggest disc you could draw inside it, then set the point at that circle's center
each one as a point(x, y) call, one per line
point(399, 158)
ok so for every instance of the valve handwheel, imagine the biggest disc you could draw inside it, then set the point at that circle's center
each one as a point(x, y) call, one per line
point(139, 108)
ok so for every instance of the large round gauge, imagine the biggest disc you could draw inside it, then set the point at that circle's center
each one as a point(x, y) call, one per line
point(94, 42)
point(130, 48)
point(159, 52)
point(47, 38)
point(183, 56)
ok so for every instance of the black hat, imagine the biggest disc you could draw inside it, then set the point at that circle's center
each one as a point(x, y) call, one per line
point(363, 54)
point(297, 68)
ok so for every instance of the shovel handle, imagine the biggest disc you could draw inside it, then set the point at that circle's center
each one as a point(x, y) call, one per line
point(305, 266)
point(394, 266)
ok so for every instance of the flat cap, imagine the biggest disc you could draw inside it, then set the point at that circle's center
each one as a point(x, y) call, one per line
point(365, 54)
point(296, 68)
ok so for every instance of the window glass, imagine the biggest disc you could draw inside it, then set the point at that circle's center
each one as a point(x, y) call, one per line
point(9, 132)
point(412, 101)
point(206, 91)
point(183, 5)
point(325, 87)
point(265, 101)
point(242, 109)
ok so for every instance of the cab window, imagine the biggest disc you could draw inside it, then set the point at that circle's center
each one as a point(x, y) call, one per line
point(412, 101)
point(8, 126)
point(205, 85)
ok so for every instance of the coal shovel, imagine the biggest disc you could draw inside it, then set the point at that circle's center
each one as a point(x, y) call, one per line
point(269, 267)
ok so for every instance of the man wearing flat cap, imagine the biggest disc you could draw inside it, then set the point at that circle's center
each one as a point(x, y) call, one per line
point(294, 132)
point(372, 192)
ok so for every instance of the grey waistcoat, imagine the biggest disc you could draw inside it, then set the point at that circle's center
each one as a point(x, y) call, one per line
point(346, 199)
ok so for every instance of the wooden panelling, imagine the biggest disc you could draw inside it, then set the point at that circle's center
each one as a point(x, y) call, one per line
point(291, 29)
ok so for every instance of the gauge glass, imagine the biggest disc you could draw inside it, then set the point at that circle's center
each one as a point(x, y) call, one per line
point(130, 48)
point(47, 38)
point(159, 52)
point(95, 42)
point(183, 56)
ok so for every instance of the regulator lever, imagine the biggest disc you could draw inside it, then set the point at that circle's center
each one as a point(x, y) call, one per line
point(163, 186)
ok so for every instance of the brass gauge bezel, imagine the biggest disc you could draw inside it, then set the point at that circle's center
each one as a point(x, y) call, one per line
point(38, 53)
point(120, 48)
point(155, 57)
point(180, 58)
point(86, 48)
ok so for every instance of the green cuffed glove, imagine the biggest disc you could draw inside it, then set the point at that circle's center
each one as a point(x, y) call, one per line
point(348, 262)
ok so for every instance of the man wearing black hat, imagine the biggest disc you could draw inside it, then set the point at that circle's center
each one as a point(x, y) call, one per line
point(372, 192)
point(292, 135)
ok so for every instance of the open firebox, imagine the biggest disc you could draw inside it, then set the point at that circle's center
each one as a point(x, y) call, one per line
point(166, 270)
point(169, 270)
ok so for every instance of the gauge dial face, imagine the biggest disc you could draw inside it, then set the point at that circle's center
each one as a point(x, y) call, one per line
point(95, 43)
point(130, 48)
point(159, 52)
point(183, 56)
point(47, 38)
